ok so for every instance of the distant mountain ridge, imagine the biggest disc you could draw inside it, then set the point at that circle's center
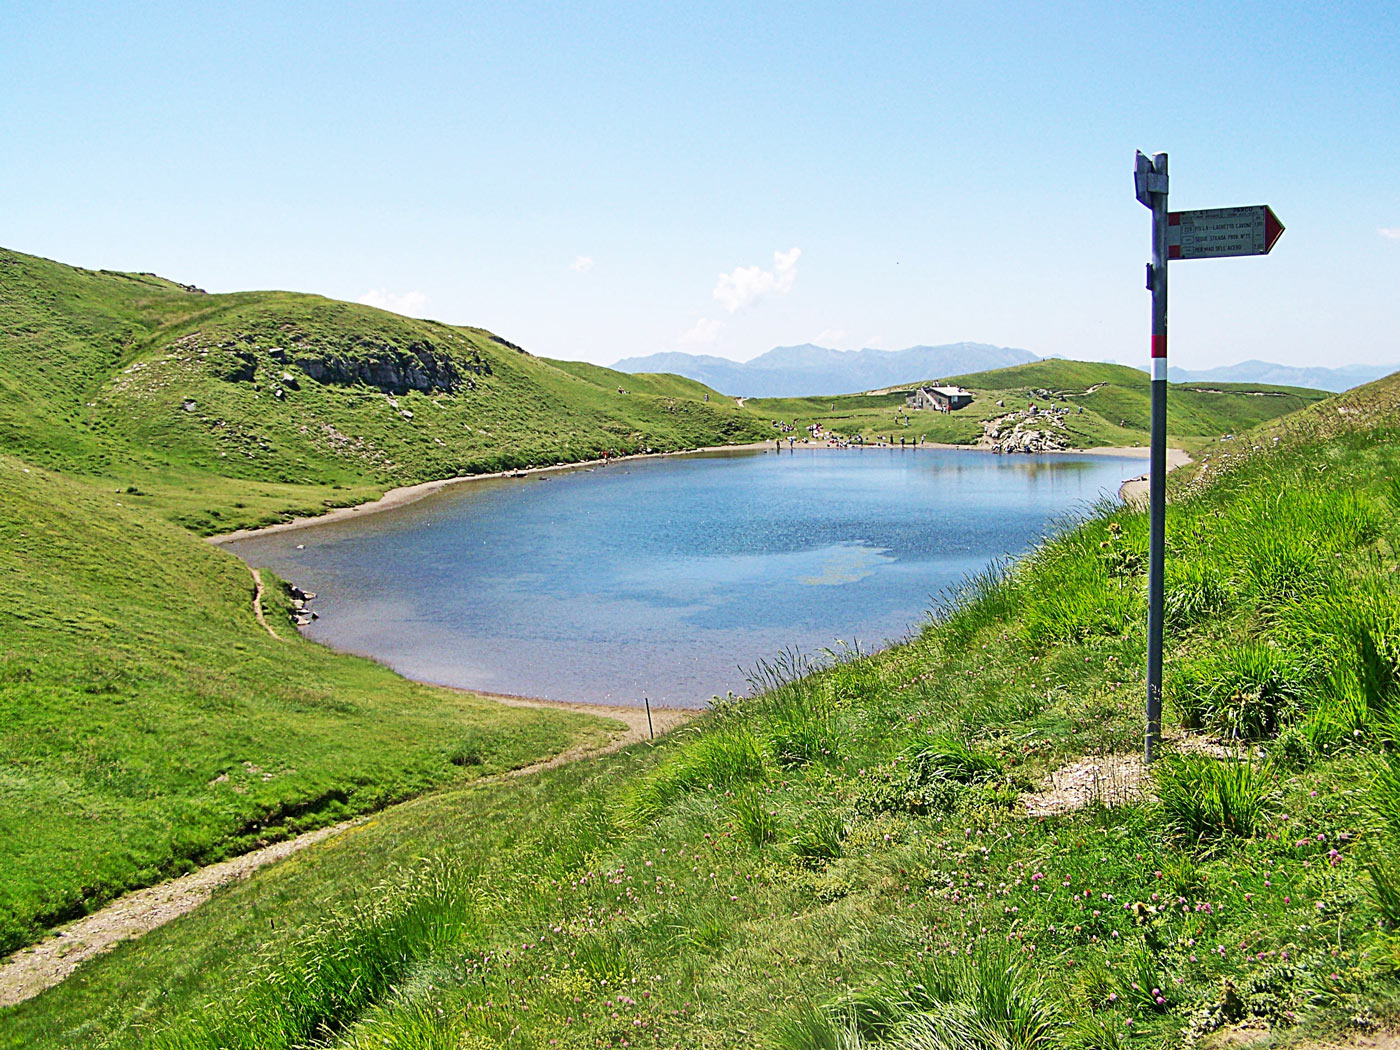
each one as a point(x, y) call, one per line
point(796, 371)
point(1332, 379)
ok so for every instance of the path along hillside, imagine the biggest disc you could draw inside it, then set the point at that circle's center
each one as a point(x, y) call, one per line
point(850, 859)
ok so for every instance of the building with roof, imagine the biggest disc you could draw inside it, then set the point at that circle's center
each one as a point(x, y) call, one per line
point(939, 398)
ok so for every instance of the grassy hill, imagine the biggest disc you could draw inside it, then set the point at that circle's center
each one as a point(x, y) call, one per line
point(222, 411)
point(864, 856)
point(1115, 399)
point(149, 723)
point(225, 411)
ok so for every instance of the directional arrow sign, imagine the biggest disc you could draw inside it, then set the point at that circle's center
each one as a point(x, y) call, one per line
point(1215, 233)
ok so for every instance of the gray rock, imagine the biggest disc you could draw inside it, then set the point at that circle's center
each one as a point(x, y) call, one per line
point(420, 366)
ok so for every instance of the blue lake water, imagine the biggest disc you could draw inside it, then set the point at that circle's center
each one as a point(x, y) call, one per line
point(670, 578)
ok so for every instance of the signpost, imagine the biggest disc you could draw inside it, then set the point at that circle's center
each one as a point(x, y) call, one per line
point(1211, 233)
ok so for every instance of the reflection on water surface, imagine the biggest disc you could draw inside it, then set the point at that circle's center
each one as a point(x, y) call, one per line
point(668, 577)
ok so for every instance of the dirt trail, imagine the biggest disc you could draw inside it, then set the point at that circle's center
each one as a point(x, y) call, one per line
point(257, 604)
point(41, 966)
point(1109, 779)
point(663, 720)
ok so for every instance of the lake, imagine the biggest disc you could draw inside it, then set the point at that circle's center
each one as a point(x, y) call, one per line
point(671, 577)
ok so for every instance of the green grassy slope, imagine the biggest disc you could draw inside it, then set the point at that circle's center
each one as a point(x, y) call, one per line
point(149, 723)
point(203, 404)
point(1115, 398)
point(848, 860)
point(225, 411)
point(1119, 395)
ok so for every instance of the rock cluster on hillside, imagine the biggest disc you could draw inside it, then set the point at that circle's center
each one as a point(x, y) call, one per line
point(1033, 429)
point(420, 366)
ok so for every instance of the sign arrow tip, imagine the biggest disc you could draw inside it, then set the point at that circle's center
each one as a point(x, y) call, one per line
point(1273, 229)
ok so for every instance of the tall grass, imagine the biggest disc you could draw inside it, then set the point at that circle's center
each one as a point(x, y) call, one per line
point(1383, 798)
point(983, 598)
point(757, 818)
point(719, 756)
point(799, 728)
point(1246, 692)
point(333, 972)
point(1076, 590)
point(819, 839)
point(1194, 592)
point(1384, 890)
point(1358, 628)
point(1207, 799)
point(770, 676)
point(926, 779)
point(988, 1002)
point(953, 759)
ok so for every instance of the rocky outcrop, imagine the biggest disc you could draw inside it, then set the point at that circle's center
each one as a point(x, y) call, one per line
point(237, 367)
point(302, 615)
point(1030, 430)
point(372, 361)
point(507, 343)
point(419, 366)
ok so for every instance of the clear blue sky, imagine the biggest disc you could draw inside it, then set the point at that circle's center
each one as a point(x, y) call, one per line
point(577, 177)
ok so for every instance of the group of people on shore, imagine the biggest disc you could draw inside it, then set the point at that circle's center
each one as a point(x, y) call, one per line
point(857, 441)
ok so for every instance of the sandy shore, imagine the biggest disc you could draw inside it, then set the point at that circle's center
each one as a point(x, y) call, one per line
point(1134, 490)
point(412, 493)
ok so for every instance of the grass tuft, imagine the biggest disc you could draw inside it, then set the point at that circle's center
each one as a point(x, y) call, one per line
point(724, 757)
point(335, 971)
point(988, 1001)
point(1206, 799)
point(1247, 692)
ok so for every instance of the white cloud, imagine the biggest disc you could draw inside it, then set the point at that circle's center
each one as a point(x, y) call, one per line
point(702, 333)
point(874, 342)
point(830, 336)
point(410, 304)
point(1392, 232)
point(748, 284)
point(582, 264)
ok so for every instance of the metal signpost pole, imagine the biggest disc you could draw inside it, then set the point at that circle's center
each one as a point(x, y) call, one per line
point(1151, 184)
point(1209, 233)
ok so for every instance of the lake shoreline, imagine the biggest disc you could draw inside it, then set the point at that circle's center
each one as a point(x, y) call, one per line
point(453, 644)
point(1134, 490)
point(407, 494)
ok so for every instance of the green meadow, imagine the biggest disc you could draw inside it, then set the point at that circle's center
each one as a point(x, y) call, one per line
point(197, 405)
point(150, 724)
point(945, 844)
point(852, 857)
point(1107, 405)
